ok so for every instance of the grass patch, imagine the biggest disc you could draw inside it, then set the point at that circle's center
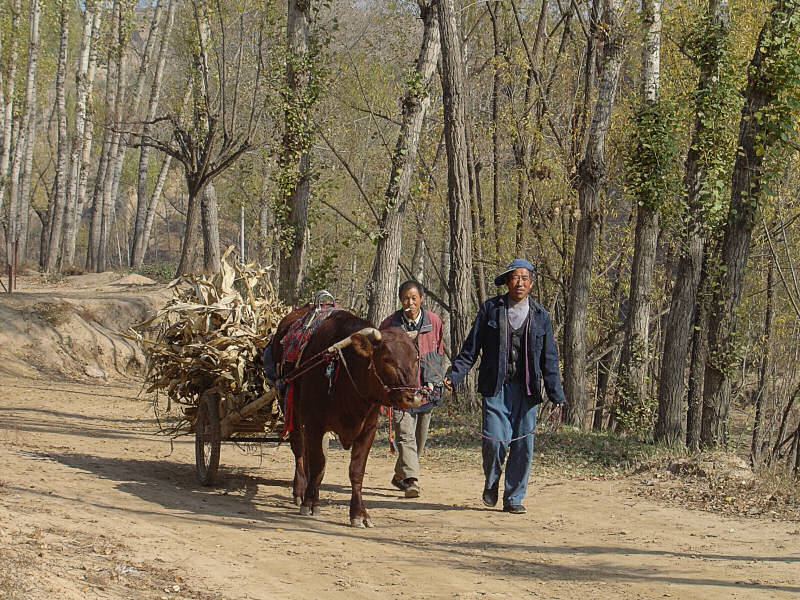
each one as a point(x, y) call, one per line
point(163, 272)
point(54, 313)
point(568, 450)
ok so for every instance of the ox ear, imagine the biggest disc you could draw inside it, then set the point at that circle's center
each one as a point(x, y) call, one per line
point(361, 344)
point(413, 334)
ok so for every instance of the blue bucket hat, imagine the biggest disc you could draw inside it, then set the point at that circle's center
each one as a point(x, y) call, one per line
point(517, 263)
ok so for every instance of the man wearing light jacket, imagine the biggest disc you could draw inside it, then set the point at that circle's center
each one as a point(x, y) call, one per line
point(412, 425)
point(514, 337)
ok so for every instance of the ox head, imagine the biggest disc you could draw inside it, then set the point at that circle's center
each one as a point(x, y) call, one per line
point(394, 360)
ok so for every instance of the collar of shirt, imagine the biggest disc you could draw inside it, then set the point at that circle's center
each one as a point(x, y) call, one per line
point(412, 324)
point(517, 312)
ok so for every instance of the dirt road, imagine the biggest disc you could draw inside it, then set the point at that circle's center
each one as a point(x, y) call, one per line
point(94, 505)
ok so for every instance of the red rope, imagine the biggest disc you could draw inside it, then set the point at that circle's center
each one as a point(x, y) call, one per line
point(288, 425)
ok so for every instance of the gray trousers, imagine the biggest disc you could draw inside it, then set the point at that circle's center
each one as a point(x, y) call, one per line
point(411, 434)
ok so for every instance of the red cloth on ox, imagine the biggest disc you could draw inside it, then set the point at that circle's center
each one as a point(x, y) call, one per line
point(301, 330)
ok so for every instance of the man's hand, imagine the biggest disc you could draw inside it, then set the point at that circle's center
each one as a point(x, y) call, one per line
point(448, 384)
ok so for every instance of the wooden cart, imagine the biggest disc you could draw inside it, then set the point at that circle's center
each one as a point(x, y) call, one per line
point(213, 423)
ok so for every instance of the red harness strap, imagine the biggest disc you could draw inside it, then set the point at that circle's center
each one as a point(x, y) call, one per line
point(391, 437)
point(288, 425)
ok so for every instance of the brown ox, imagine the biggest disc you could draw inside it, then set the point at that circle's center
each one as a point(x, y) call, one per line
point(380, 369)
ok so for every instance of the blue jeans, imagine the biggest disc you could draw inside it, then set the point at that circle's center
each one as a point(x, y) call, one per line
point(508, 415)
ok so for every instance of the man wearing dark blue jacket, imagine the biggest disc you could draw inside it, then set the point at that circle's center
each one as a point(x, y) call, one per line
point(514, 337)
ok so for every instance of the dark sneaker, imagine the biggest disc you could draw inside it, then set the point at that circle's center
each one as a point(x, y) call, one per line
point(514, 509)
point(412, 488)
point(490, 495)
point(400, 484)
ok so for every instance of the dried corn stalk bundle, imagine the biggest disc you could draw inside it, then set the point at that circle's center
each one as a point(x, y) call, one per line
point(210, 337)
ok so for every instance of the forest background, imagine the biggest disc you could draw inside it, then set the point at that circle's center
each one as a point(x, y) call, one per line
point(642, 156)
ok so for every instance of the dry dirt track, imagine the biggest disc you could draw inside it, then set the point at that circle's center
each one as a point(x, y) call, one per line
point(93, 505)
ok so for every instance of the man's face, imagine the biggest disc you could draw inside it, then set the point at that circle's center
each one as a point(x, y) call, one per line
point(411, 300)
point(519, 284)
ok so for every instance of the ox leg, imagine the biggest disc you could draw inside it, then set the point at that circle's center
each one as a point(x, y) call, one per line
point(315, 465)
point(297, 442)
point(358, 463)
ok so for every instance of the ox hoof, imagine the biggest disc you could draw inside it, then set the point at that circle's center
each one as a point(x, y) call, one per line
point(298, 500)
point(360, 523)
point(312, 511)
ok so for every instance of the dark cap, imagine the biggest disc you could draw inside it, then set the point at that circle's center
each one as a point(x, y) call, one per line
point(517, 263)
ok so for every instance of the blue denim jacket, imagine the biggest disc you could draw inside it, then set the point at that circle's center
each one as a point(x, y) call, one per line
point(488, 339)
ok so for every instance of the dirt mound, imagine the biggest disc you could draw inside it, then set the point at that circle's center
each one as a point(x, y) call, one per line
point(134, 279)
point(76, 327)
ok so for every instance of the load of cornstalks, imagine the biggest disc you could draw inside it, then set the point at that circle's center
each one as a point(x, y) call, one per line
point(210, 337)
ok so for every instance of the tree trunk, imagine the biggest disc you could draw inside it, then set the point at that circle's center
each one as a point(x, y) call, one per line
point(636, 351)
point(493, 9)
point(697, 367)
point(418, 259)
point(296, 157)
point(152, 205)
point(25, 182)
point(473, 169)
point(62, 161)
point(95, 223)
point(104, 171)
point(7, 106)
point(78, 137)
point(266, 225)
point(454, 101)
point(766, 368)
point(607, 364)
point(190, 234)
point(754, 140)
point(132, 105)
point(140, 240)
point(383, 290)
point(112, 170)
point(210, 221)
point(592, 174)
point(29, 116)
point(677, 331)
point(86, 147)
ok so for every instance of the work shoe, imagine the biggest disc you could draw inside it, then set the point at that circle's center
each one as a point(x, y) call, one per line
point(514, 509)
point(490, 495)
point(412, 488)
point(400, 484)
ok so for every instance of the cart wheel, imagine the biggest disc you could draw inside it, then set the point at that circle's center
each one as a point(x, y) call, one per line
point(207, 440)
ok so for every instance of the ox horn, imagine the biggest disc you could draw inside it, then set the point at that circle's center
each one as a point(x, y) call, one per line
point(369, 332)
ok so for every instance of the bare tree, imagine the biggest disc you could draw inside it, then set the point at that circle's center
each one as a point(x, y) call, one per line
point(226, 110)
